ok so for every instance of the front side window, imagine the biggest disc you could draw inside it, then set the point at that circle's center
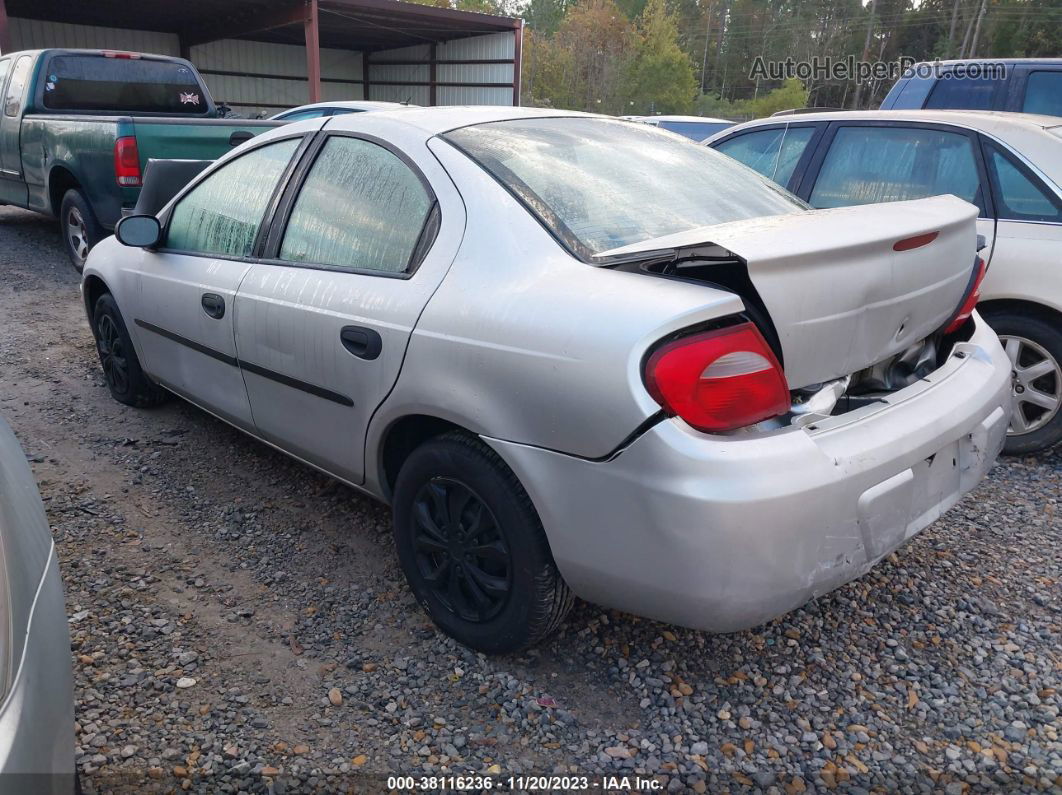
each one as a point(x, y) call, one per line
point(17, 87)
point(774, 152)
point(886, 164)
point(361, 207)
point(5, 64)
point(131, 85)
point(221, 215)
point(1043, 93)
point(1021, 198)
point(599, 184)
point(965, 93)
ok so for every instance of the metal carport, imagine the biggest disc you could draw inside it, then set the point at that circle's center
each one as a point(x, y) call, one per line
point(263, 55)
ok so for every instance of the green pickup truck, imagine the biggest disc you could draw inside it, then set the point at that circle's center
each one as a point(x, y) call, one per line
point(79, 126)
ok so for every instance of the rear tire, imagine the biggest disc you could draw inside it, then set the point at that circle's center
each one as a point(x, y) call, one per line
point(78, 226)
point(121, 367)
point(473, 549)
point(1034, 345)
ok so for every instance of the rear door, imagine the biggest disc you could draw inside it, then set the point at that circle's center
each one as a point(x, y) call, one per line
point(360, 242)
point(883, 161)
point(185, 310)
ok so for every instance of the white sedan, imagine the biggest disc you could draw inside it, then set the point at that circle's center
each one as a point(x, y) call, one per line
point(1007, 164)
point(337, 108)
point(576, 355)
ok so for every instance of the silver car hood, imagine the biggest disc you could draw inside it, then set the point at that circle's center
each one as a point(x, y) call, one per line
point(841, 297)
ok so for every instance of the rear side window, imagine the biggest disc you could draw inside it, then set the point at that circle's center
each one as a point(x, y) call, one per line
point(361, 207)
point(1043, 93)
point(885, 164)
point(774, 153)
point(129, 85)
point(17, 87)
point(965, 93)
point(1020, 197)
point(695, 130)
point(222, 214)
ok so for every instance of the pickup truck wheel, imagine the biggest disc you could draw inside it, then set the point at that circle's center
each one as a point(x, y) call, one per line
point(472, 547)
point(78, 226)
point(1034, 346)
point(121, 367)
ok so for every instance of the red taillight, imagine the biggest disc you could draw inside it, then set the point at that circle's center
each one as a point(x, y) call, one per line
point(112, 54)
point(127, 162)
point(718, 380)
point(973, 295)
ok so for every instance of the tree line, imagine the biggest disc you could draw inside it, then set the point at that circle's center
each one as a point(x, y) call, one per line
point(695, 56)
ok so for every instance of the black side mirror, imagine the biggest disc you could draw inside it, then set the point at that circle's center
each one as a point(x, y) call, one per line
point(138, 231)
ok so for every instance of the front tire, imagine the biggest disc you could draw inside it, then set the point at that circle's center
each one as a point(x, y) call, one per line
point(473, 549)
point(79, 227)
point(1034, 346)
point(121, 367)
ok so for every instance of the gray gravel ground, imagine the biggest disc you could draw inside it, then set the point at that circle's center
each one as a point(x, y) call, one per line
point(239, 623)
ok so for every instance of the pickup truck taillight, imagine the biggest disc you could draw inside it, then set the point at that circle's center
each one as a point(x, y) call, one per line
point(718, 380)
point(127, 162)
point(973, 295)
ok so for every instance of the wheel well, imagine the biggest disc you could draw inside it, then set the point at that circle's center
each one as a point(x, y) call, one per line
point(93, 288)
point(405, 436)
point(1018, 306)
point(59, 182)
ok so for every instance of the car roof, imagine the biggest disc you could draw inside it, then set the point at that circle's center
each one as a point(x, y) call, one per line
point(1036, 137)
point(441, 119)
point(1006, 61)
point(353, 103)
point(707, 119)
point(985, 120)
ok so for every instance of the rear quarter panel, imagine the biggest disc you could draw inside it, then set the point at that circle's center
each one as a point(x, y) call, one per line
point(524, 343)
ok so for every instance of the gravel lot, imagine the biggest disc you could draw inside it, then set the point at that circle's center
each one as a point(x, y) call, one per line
point(239, 622)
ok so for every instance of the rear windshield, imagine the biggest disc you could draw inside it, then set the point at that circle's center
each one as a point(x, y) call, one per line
point(599, 184)
point(127, 85)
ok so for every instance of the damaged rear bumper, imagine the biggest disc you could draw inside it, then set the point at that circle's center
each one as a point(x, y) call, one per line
point(724, 533)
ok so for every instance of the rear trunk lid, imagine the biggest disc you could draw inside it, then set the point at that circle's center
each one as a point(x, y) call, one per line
point(845, 288)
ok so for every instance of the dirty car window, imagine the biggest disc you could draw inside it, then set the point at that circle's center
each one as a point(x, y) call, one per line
point(599, 184)
point(221, 214)
point(361, 207)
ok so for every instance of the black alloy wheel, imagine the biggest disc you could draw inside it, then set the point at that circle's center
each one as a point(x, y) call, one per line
point(461, 553)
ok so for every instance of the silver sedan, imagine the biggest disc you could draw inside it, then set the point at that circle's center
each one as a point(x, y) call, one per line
point(36, 685)
point(576, 355)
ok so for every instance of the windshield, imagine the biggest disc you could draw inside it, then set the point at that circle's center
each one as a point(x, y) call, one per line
point(598, 184)
point(121, 84)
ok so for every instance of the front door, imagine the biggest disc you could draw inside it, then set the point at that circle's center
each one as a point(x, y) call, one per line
point(185, 309)
point(322, 327)
point(12, 188)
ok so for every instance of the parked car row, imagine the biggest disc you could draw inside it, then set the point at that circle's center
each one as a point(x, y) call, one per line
point(1008, 165)
point(576, 355)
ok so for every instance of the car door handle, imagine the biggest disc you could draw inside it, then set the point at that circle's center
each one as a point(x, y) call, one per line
point(214, 305)
point(365, 343)
point(239, 137)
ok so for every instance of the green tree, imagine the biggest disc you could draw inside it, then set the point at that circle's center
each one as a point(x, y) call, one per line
point(791, 94)
point(585, 65)
point(661, 77)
